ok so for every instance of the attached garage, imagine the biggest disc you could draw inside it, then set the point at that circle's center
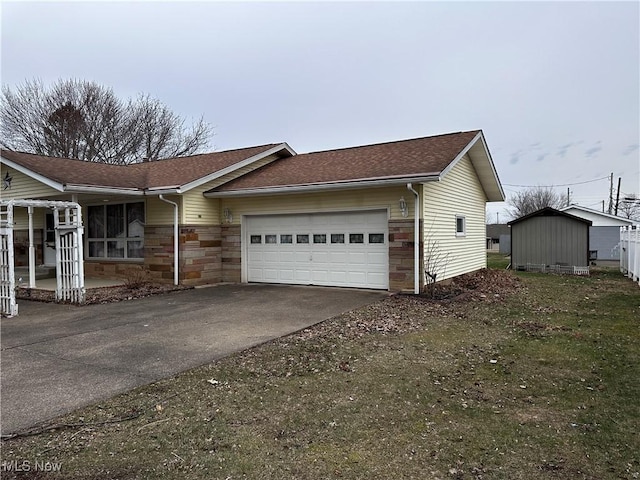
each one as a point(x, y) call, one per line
point(347, 249)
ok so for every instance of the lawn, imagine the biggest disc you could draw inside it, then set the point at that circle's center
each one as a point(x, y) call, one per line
point(519, 376)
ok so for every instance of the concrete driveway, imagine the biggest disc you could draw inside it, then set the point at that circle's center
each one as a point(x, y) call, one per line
point(57, 358)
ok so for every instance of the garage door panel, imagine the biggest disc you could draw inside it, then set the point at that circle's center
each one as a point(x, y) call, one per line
point(376, 258)
point(318, 249)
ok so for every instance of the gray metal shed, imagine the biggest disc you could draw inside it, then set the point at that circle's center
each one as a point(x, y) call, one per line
point(549, 238)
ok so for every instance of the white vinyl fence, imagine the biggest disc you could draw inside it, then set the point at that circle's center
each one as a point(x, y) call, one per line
point(630, 252)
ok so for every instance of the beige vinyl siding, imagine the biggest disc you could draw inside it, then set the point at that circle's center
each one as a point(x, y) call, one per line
point(161, 213)
point(199, 210)
point(21, 218)
point(23, 186)
point(329, 201)
point(459, 193)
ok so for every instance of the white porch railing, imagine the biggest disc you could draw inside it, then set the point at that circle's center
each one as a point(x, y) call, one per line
point(630, 252)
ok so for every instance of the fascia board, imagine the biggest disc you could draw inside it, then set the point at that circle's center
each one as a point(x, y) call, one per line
point(320, 187)
point(73, 188)
point(232, 168)
point(595, 212)
point(492, 165)
point(460, 155)
point(465, 150)
point(31, 174)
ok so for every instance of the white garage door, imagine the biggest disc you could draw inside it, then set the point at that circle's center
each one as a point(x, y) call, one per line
point(347, 249)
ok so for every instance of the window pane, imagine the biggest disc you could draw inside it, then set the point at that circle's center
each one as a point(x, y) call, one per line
point(135, 249)
point(376, 238)
point(96, 249)
point(286, 238)
point(115, 221)
point(95, 221)
point(270, 239)
point(459, 224)
point(302, 238)
point(115, 249)
point(135, 219)
point(356, 238)
point(319, 238)
point(337, 238)
point(256, 239)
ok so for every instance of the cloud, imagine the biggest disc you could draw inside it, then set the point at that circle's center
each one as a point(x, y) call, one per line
point(515, 157)
point(562, 150)
point(630, 149)
point(542, 156)
point(591, 152)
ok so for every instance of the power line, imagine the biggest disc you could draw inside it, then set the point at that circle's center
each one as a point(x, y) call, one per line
point(557, 185)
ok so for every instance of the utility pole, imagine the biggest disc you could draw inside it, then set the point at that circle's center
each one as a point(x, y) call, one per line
point(568, 197)
point(618, 195)
point(498, 217)
point(610, 210)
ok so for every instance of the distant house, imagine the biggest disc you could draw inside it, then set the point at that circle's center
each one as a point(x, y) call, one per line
point(604, 233)
point(352, 217)
point(499, 238)
point(550, 239)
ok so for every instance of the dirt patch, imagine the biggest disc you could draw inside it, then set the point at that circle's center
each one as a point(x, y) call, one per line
point(104, 294)
point(485, 285)
point(404, 313)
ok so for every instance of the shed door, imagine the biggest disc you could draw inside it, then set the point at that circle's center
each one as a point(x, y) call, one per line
point(347, 249)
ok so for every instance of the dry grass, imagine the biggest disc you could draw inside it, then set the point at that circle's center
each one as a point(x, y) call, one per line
point(512, 377)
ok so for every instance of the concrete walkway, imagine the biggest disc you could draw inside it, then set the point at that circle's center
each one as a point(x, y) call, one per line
point(57, 358)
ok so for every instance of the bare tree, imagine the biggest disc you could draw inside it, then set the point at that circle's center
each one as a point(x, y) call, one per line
point(533, 199)
point(82, 119)
point(629, 207)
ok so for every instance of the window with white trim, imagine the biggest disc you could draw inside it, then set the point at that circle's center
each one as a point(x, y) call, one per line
point(461, 226)
point(116, 231)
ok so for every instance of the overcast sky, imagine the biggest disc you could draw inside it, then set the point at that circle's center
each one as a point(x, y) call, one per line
point(554, 86)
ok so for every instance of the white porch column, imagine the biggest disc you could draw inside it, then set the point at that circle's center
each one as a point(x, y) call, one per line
point(32, 252)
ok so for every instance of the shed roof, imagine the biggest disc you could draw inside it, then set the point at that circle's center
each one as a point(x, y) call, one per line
point(549, 212)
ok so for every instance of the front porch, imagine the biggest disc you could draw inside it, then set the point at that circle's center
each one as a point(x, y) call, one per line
point(46, 279)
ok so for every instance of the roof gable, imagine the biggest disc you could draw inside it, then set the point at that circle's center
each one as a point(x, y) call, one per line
point(421, 159)
point(172, 173)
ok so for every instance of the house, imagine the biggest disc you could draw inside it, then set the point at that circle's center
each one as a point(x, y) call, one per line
point(604, 233)
point(499, 238)
point(549, 239)
point(344, 217)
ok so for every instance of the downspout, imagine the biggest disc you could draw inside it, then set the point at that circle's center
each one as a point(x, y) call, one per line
point(175, 237)
point(416, 241)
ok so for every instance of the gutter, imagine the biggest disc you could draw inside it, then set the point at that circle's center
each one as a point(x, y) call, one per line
point(175, 238)
point(312, 187)
point(416, 240)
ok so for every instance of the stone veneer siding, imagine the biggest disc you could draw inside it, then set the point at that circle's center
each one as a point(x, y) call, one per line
point(231, 253)
point(21, 247)
point(111, 268)
point(401, 249)
point(199, 254)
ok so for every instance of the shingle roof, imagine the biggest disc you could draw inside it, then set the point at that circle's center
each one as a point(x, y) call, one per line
point(159, 173)
point(420, 156)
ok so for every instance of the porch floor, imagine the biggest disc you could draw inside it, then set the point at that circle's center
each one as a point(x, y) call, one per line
point(50, 283)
